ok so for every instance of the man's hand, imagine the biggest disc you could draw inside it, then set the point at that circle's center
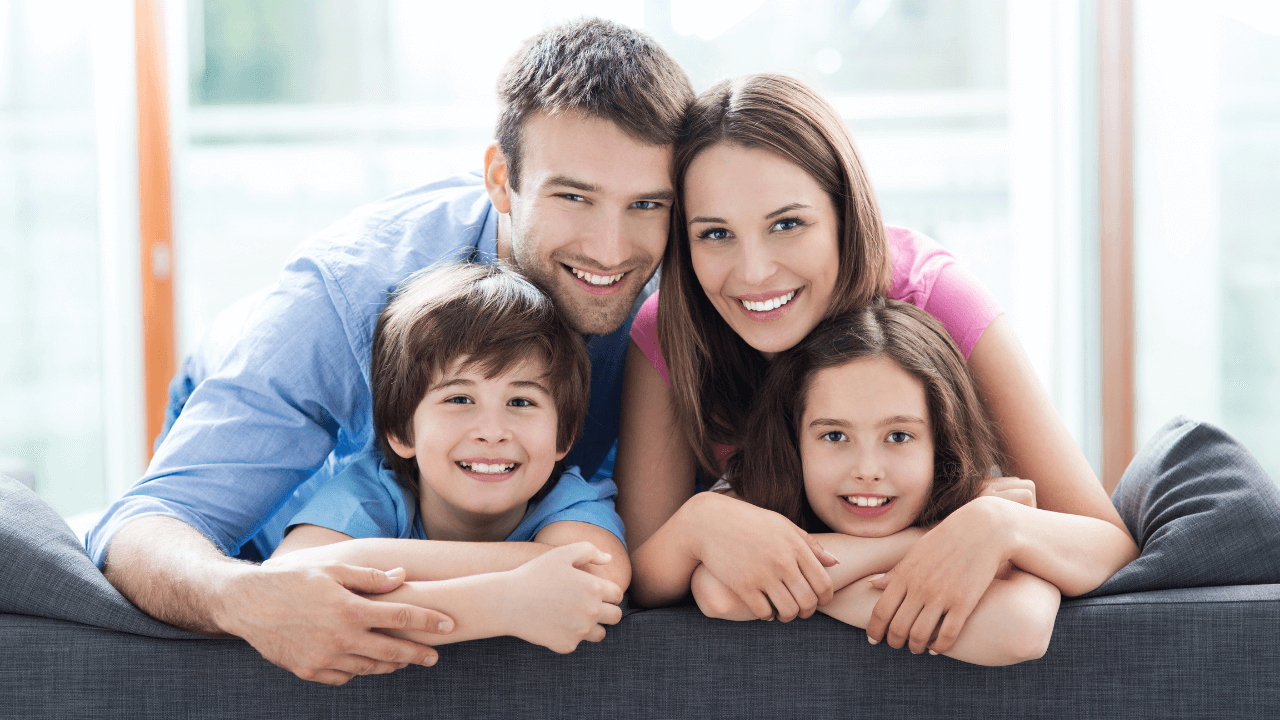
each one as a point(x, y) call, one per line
point(776, 568)
point(309, 620)
point(557, 604)
point(939, 582)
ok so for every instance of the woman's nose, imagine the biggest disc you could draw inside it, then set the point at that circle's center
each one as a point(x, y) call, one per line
point(756, 264)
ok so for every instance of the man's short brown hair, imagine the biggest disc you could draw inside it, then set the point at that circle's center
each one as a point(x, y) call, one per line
point(491, 319)
point(600, 69)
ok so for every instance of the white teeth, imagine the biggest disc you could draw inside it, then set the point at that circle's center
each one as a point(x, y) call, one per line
point(768, 305)
point(864, 501)
point(597, 279)
point(484, 469)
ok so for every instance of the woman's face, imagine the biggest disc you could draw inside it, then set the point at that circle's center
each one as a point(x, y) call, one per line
point(763, 239)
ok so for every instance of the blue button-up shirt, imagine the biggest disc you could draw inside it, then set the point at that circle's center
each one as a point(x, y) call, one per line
point(285, 403)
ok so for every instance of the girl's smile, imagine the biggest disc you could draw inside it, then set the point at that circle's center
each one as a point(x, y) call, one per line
point(866, 447)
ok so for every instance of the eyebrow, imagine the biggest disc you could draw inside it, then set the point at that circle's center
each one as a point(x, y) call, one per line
point(666, 194)
point(780, 211)
point(892, 420)
point(465, 382)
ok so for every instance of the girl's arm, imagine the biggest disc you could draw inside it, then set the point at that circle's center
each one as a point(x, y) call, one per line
point(1076, 541)
point(763, 558)
point(1012, 623)
point(426, 560)
point(859, 557)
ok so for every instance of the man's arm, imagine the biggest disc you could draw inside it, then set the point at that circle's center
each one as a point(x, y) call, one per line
point(305, 618)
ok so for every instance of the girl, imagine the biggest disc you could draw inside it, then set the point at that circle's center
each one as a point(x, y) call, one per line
point(775, 228)
point(877, 413)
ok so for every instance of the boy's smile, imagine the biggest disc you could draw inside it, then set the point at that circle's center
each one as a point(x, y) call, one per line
point(484, 446)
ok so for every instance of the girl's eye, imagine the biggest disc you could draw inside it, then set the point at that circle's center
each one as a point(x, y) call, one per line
point(787, 224)
point(520, 402)
point(898, 437)
point(833, 436)
point(714, 234)
point(458, 400)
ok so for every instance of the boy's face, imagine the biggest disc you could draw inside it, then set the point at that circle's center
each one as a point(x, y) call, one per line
point(484, 446)
point(589, 222)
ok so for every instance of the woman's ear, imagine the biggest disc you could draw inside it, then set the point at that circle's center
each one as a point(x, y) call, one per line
point(401, 449)
point(496, 178)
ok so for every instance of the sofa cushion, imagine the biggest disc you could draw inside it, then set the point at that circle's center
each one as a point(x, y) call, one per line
point(46, 571)
point(1201, 508)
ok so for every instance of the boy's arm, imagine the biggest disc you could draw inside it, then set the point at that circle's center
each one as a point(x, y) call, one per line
point(1012, 622)
point(430, 560)
point(859, 557)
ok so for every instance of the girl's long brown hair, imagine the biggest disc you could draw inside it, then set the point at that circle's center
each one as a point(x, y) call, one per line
point(714, 373)
point(767, 470)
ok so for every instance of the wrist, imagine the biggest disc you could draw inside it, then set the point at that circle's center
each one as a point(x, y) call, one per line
point(230, 582)
point(691, 522)
point(1002, 521)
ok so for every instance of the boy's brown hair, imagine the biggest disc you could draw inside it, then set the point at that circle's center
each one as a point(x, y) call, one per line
point(489, 317)
point(767, 469)
point(597, 68)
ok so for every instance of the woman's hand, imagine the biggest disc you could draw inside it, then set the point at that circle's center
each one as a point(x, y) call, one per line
point(1019, 490)
point(939, 582)
point(774, 567)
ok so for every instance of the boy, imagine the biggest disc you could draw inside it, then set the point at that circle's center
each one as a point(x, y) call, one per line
point(479, 389)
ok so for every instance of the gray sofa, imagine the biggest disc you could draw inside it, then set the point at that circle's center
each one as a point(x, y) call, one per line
point(73, 647)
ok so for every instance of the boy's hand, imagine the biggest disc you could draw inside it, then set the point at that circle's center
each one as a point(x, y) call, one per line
point(556, 604)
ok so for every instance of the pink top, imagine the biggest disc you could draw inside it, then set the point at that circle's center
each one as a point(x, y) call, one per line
point(924, 274)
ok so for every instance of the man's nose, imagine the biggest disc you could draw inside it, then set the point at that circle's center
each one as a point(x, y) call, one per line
point(607, 242)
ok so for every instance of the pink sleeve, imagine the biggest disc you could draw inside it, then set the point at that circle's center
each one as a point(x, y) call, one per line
point(644, 332)
point(927, 276)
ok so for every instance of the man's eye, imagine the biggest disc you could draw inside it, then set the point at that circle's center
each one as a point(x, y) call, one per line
point(646, 204)
point(787, 224)
point(834, 436)
point(520, 402)
point(898, 437)
point(714, 234)
point(571, 196)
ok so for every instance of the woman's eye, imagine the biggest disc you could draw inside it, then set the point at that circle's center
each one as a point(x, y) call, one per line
point(834, 436)
point(898, 437)
point(787, 224)
point(714, 234)
point(520, 402)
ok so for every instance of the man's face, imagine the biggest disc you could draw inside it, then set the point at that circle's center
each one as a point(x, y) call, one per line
point(590, 220)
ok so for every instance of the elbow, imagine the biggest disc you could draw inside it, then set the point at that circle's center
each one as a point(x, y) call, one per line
point(1028, 637)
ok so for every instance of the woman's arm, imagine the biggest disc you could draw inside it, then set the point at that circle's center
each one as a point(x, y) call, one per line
point(1012, 623)
point(427, 560)
point(1076, 541)
point(763, 558)
point(859, 557)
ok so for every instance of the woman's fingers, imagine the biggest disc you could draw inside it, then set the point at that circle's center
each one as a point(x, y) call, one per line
point(786, 606)
point(922, 629)
point(952, 624)
point(885, 610)
point(806, 600)
point(903, 620)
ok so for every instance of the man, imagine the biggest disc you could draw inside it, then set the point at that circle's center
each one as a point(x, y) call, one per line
point(576, 192)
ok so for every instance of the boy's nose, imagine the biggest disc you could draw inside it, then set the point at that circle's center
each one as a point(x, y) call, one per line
point(490, 428)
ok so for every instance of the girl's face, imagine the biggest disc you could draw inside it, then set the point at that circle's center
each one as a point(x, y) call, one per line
point(866, 447)
point(763, 240)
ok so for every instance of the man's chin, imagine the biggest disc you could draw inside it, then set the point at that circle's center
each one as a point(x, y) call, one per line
point(594, 315)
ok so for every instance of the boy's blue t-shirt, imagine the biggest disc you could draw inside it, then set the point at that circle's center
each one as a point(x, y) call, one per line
point(364, 501)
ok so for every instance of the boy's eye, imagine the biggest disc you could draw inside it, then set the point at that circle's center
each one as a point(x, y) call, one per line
point(714, 234)
point(898, 437)
point(458, 400)
point(520, 402)
point(787, 224)
point(833, 436)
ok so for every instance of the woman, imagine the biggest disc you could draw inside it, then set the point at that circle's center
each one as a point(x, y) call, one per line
point(775, 228)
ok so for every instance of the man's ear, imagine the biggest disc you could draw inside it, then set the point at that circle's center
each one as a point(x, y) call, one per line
point(404, 451)
point(495, 178)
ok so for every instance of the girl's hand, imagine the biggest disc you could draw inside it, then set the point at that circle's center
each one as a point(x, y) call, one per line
point(939, 582)
point(774, 567)
point(1019, 490)
point(553, 602)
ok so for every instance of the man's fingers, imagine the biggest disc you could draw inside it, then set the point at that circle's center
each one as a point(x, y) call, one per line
point(398, 616)
point(329, 677)
point(384, 648)
point(361, 665)
point(884, 611)
point(367, 580)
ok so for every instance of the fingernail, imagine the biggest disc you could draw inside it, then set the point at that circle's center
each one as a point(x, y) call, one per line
point(444, 626)
point(873, 578)
point(872, 640)
point(933, 652)
point(431, 660)
point(395, 572)
point(608, 557)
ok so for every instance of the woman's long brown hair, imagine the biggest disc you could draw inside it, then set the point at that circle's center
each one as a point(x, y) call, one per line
point(714, 373)
point(767, 470)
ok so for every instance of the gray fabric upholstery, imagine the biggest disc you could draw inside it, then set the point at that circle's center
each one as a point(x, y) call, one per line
point(1202, 510)
point(1195, 653)
point(46, 571)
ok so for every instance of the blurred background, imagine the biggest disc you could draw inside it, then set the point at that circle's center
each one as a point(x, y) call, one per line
point(977, 118)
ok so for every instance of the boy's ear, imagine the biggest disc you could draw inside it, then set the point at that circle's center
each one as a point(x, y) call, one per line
point(560, 455)
point(404, 451)
point(495, 178)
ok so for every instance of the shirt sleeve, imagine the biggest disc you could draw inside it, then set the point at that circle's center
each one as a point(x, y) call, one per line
point(262, 423)
point(363, 501)
point(573, 498)
point(929, 277)
point(644, 333)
